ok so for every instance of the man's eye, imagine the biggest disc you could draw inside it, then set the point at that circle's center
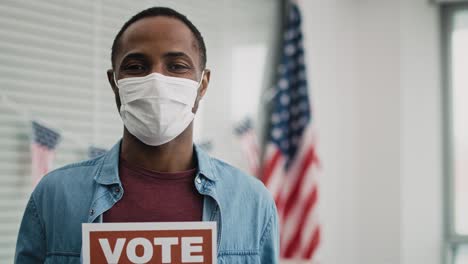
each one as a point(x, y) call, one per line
point(178, 67)
point(134, 67)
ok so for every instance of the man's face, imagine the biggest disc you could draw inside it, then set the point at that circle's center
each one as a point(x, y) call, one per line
point(158, 44)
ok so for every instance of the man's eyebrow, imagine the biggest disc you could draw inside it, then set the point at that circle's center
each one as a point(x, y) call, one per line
point(135, 55)
point(175, 54)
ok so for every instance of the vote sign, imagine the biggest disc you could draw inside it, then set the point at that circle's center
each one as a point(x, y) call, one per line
point(158, 243)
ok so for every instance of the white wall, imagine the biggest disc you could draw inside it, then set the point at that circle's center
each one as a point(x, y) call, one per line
point(375, 85)
point(421, 128)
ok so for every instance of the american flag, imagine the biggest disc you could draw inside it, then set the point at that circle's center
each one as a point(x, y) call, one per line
point(291, 164)
point(249, 144)
point(43, 147)
point(94, 152)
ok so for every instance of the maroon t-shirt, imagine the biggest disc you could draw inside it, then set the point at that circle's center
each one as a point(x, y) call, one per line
point(151, 196)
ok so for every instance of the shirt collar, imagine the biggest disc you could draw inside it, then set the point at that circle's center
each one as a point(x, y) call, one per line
point(109, 171)
point(205, 165)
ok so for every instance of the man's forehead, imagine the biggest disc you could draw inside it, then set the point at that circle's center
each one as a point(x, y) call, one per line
point(160, 32)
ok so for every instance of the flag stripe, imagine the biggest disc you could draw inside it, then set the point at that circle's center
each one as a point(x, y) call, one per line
point(312, 221)
point(290, 222)
point(249, 144)
point(291, 200)
point(251, 148)
point(292, 173)
point(43, 146)
point(294, 243)
point(270, 166)
point(276, 181)
point(313, 244)
point(300, 214)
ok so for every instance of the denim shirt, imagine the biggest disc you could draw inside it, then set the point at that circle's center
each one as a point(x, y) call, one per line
point(79, 193)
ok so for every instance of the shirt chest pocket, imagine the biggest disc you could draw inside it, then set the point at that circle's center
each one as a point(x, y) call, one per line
point(239, 258)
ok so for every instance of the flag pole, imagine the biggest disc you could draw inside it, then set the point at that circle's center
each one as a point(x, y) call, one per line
point(270, 93)
point(267, 95)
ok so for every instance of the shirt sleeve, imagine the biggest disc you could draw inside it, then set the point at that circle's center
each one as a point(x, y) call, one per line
point(31, 245)
point(269, 244)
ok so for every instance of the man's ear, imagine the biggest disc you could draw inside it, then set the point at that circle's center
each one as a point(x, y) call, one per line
point(115, 89)
point(202, 89)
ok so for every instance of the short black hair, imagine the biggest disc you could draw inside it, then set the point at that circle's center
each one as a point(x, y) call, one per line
point(161, 11)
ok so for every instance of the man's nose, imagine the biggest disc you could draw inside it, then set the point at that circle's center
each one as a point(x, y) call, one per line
point(158, 67)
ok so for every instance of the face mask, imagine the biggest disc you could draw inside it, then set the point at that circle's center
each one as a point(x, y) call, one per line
point(157, 108)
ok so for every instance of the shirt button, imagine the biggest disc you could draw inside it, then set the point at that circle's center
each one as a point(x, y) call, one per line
point(198, 180)
point(117, 189)
point(91, 212)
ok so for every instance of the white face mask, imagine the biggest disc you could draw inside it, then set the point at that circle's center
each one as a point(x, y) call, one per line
point(157, 108)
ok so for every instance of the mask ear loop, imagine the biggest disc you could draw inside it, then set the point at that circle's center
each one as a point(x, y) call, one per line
point(115, 80)
point(198, 86)
point(201, 78)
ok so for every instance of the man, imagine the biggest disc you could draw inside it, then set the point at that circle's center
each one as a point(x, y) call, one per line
point(154, 173)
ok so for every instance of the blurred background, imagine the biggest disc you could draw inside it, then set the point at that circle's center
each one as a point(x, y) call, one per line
point(387, 82)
